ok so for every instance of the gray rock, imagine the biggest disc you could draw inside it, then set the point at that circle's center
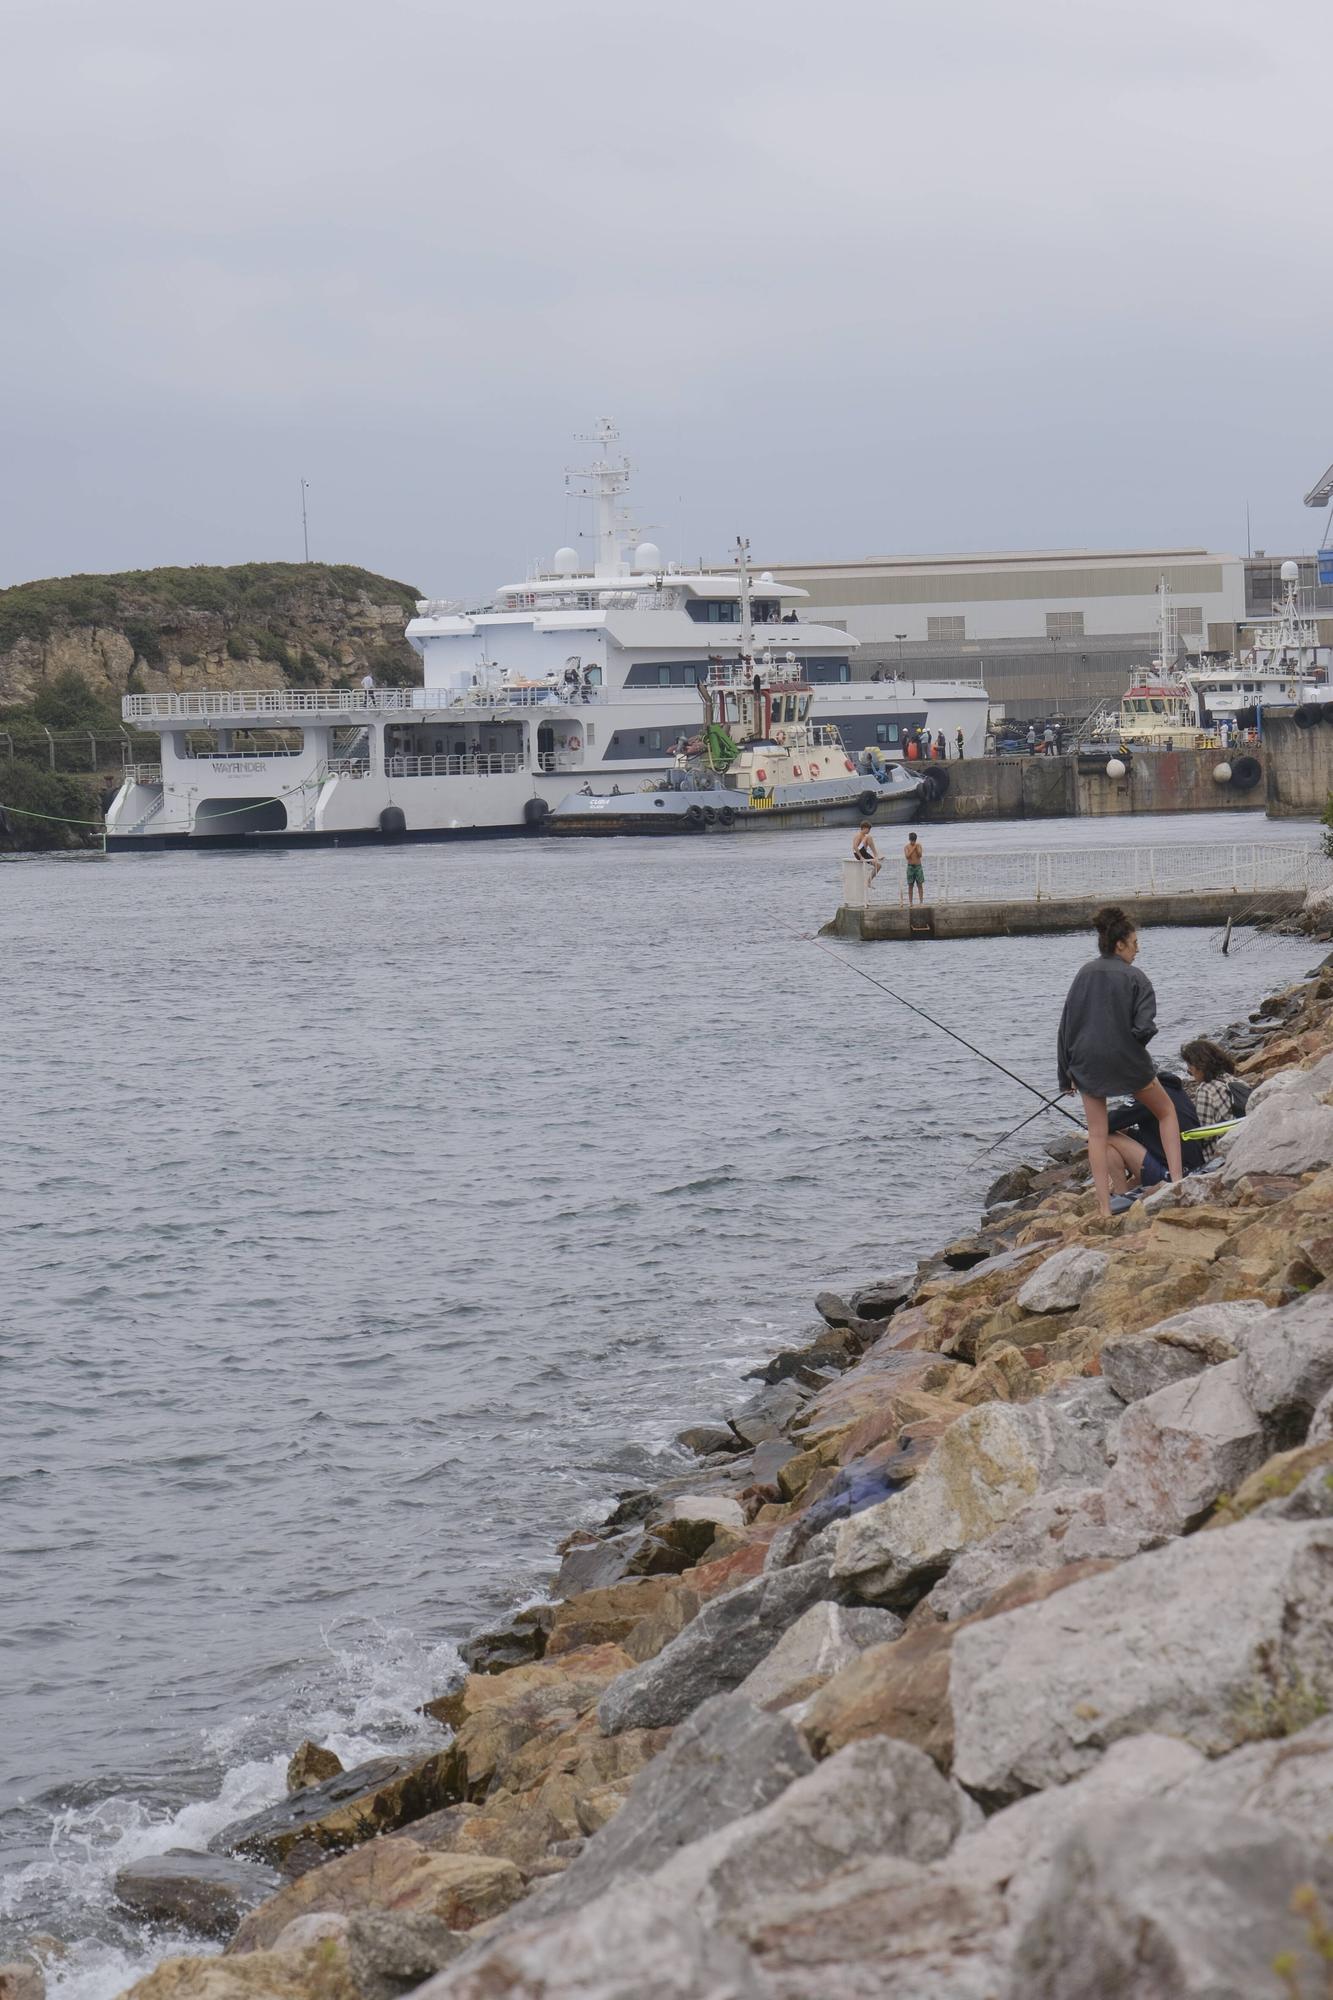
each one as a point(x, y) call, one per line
point(1287, 1360)
point(209, 1893)
point(876, 1797)
point(1093, 1407)
point(1290, 1781)
point(879, 1930)
point(1014, 1850)
point(633, 1943)
point(1163, 1899)
point(711, 1510)
point(1137, 1365)
point(833, 1309)
point(883, 1296)
point(1068, 1146)
point(1321, 1423)
point(1010, 1186)
point(389, 1954)
point(987, 1466)
point(375, 1797)
point(1066, 1526)
point(1216, 1639)
point(702, 1439)
point(311, 1764)
point(768, 1414)
point(1182, 1447)
point(1061, 1282)
point(1290, 1133)
point(725, 1760)
point(715, 1652)
point(769, 1459)
point(823, 1639)
point(597, 1565)
point(798, 1543)
point(1312, 1500)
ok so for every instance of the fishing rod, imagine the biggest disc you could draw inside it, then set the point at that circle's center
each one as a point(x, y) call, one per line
point(1048, 1104)
point(1052, 1106)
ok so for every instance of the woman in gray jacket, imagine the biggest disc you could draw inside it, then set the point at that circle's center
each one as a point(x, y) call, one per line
point(1110, 1016)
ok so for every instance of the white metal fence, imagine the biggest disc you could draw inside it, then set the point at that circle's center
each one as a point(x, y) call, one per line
point(1052, 874)
point(495, 766)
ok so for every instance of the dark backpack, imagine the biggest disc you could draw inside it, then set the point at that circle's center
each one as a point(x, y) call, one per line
point(1240, 1095)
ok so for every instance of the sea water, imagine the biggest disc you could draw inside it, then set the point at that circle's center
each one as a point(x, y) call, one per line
point(372, 1216)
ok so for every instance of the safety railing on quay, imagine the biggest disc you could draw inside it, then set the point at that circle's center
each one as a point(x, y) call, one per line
point(1054, 874)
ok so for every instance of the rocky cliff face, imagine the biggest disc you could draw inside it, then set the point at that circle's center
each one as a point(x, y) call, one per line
point(256, 625)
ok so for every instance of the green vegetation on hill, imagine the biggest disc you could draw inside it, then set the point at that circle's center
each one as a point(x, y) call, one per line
point(41, 810)
point(144, 602)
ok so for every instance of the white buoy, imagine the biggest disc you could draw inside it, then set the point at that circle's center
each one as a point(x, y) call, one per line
point(1115, 769)
point(1222, 774)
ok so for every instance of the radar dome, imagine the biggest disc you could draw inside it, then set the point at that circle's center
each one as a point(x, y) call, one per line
point(767, 576)
point(648, 556)
point(566, 562)
point(1291, 572)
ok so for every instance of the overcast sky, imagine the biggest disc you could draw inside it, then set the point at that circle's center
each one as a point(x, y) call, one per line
point(852, 277)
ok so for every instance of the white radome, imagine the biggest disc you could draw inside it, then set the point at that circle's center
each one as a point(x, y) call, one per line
point(1222, 773)
point(566, 562)
point(1291, 572)
point(1115, 769)
point(647, 556)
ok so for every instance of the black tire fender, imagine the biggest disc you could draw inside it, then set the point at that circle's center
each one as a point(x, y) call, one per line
point(393, 822)
point(694, 816)
point(867, 803)
point(535, 811)
point(710, 815)
point(726, 815)
point(1307, 715)
point(1246, 773)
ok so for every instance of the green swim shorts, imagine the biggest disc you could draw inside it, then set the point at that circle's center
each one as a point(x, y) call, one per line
point(916, 875)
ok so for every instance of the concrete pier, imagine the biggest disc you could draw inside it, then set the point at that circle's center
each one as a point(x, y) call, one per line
point(1206, 907)
point(1299, 763)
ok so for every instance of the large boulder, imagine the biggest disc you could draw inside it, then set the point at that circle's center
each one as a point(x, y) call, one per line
point(1182, 1447)
point(1290, 1780)
point(316, 1971)
point(1062, 1281)
point(1287, 1360)
point(376, 1797)
point(823, 1640)
point(1171, 1899)
point(715, 1652)
point(726, 1760)
point(1015, 1850)
point(388, 1955)
point(1066, 1526)
point(1138, 1364)
point(458, 1890)
point(1216, 1639)
point(1290, 1133)
point(209, 1893)
point(986, 1467)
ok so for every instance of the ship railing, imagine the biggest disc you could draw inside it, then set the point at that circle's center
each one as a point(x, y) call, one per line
point(346, 767)
point(205, 704)
point(143, 774)
point(495, 766)
point(1108, 873)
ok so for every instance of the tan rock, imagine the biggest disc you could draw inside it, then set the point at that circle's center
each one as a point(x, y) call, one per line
point(1275, 1479)
point(22, 1980)
point(394, 1874)
point(605, 1617)
point(1004, 1376)
point(317, 1972)
point(573, 1680)
point(310, 1765)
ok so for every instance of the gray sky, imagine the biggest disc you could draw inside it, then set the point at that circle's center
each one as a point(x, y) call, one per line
point(853, 277)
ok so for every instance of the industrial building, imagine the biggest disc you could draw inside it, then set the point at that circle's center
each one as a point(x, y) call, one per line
point(1050, 633)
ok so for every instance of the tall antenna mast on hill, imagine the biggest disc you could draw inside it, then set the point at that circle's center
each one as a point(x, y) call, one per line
point(305, 525)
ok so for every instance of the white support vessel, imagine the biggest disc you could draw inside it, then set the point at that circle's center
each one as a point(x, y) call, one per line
point(576, 677)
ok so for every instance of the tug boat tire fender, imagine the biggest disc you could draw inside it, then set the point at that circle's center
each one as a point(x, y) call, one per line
point(393, 822)
point(866, 803)
point(934, 784)
point(694, 816)
point(535, 811)
point(726, 815)
point(1246, 773)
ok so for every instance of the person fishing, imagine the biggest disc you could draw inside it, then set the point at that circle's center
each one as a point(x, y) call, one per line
point(1109, 1017)
point(864, 849)
point(1135, 1149)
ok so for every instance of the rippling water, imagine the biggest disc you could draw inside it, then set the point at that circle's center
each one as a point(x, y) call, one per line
point(372, 1215)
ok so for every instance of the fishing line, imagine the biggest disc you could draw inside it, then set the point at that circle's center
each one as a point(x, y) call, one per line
point(1052, 1106)
point(1048, 1104)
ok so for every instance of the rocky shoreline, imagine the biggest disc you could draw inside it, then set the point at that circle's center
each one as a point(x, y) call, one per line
point(982, 1652)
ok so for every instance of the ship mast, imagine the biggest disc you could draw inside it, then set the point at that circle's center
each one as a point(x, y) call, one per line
point(1166, 628)
point(603, 482)
point(747, 622)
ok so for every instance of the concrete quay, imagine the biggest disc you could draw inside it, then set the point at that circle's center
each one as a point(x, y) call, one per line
point(1076, 786)
point(1209, 908)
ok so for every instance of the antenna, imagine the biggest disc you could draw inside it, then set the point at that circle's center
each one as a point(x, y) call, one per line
point(747, 625)
point(603, 483)
point(305, 525)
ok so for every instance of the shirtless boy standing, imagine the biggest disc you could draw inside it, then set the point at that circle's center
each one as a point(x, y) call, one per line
point(914, 856)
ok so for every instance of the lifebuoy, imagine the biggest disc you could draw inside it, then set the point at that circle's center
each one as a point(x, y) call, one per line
point(779, 735)
point(849, 764)
point(762, 777)
point(814, 770)
point(573, 743)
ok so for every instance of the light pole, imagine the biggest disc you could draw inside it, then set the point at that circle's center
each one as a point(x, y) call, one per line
point(305, 525)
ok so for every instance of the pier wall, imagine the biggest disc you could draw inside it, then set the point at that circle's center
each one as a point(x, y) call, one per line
point(1299, 768)
point(1029, 918)
point(1158, 781)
